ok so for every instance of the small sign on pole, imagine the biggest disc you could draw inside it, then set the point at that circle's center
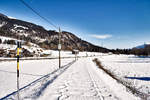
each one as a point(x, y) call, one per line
point(75, 52)
point(59, 46)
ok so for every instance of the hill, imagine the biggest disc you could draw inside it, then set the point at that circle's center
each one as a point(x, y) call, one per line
point(29, 32)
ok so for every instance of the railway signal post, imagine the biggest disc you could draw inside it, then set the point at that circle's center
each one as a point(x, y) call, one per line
point(18, 50)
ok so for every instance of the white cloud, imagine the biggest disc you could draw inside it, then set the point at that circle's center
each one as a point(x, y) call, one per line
point(105, 36)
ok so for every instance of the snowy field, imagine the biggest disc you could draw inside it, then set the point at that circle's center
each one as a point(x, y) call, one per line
point(75, 80)
point(29, 71)
point(132, 69)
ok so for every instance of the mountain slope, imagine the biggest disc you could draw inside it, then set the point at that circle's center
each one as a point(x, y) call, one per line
point(48, 39)
point(141, 46)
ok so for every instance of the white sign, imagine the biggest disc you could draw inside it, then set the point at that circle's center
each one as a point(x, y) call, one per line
point(59, 46)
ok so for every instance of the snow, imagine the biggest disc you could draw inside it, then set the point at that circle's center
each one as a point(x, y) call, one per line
point(39, 39)
point(3, 23)
point(69, 54)
point(23, 33)
point(54, 36)
point(77, 83)
point(11, 17)
point(80, 80)
point(31, 48)
point(29, 71)
point(6, 46)
point(6, 38)
point(20, 29)
point(130, 68)
point(19, 26)
point(44, 80)
point(35, 48)
point(118, 89)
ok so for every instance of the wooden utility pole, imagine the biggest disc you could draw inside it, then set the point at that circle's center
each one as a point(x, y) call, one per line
point(59, 47)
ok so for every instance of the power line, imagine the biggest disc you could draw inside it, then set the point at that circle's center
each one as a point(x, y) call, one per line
point(59, 45)
point(37, 13)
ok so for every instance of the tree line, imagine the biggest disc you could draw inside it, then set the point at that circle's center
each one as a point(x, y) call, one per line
point(135, 51)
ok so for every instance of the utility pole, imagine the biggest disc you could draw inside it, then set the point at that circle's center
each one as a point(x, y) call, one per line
point(102, 47)
point(59, 47)
point(75, 56)
point(102, 44)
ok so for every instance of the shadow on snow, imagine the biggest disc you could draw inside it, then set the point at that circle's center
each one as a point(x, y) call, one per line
point(139, 78)
point(11, 72)
point(45, 82)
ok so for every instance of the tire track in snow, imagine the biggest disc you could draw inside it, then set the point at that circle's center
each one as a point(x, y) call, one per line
point(79, 82)
point(95, 84)
point(100, 86)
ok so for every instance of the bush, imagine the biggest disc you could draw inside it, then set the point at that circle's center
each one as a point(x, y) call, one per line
point(10, 42)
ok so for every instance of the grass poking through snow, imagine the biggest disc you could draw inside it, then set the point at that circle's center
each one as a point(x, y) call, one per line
point(128, 86)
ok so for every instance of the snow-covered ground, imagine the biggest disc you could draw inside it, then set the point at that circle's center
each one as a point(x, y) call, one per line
point(43, 80)
point(82, 81)
point(134, 70)
point(29, 71)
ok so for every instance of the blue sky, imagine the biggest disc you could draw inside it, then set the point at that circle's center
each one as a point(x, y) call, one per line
point(113, 23)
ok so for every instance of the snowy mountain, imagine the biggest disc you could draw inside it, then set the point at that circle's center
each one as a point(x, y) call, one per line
point(2, 15)
point(141, 46)
point(48, 39)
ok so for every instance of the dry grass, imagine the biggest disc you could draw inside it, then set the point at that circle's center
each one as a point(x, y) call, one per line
point(128, 86)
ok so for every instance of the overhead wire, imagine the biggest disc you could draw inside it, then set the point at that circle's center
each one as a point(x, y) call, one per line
point(37, 13)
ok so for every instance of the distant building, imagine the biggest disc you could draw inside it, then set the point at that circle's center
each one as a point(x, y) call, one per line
point(3, 52)
point(12, 53)
point(75, 51)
